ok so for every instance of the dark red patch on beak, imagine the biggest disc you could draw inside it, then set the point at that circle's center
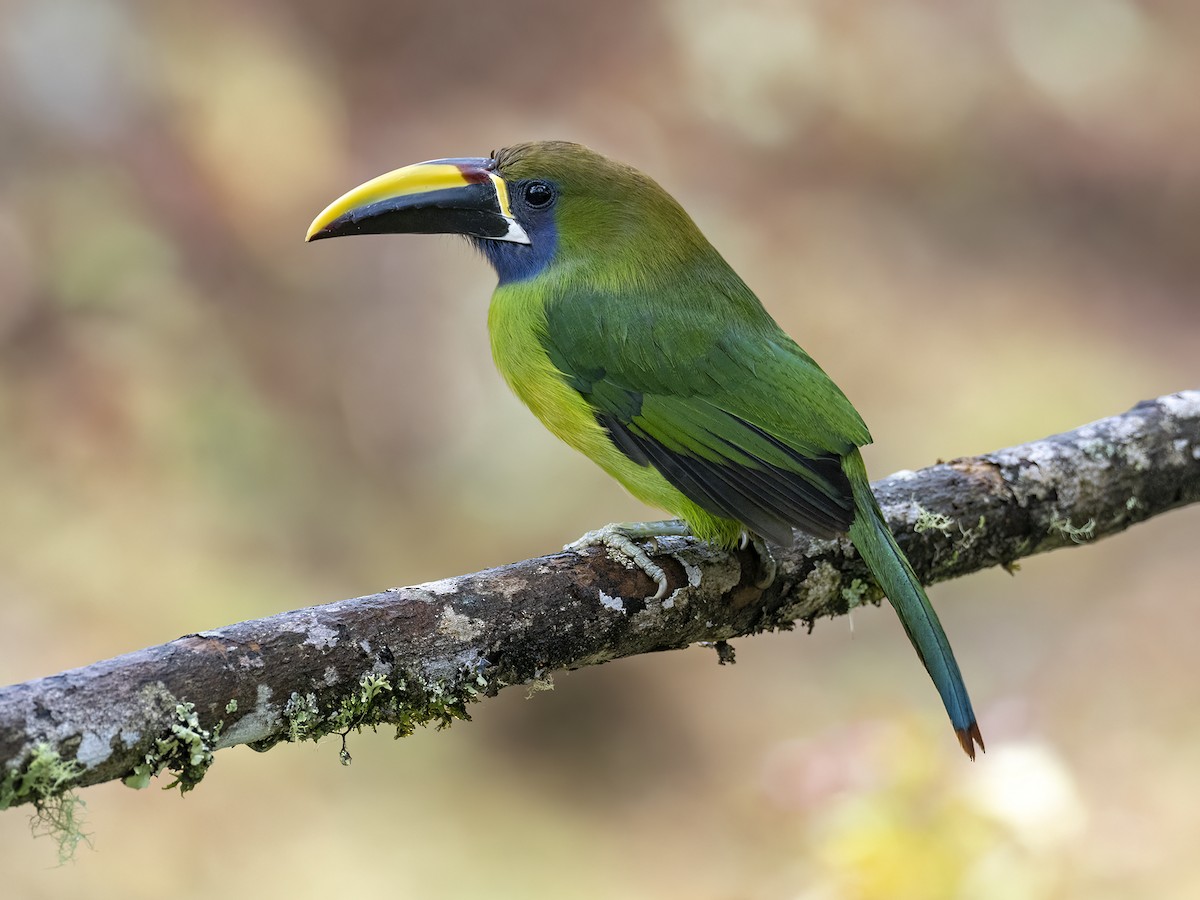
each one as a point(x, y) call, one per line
point(473, 173)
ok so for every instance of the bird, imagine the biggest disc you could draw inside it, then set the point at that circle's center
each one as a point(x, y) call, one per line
point(632, 339)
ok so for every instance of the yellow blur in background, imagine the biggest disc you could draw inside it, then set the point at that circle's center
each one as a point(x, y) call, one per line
point(982, 219)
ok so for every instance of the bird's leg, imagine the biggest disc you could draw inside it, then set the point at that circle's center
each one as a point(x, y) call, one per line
point(621, 538)
point(767, 566)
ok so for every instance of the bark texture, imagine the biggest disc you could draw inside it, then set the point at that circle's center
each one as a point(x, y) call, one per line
point(415, 655)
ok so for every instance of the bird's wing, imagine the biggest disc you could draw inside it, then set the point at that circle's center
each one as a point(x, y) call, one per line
point(726, 407)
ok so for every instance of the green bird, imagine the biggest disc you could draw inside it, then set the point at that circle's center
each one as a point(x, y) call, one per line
point(621, 327)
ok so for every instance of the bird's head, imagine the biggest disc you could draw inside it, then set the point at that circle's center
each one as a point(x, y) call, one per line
point(528, 208)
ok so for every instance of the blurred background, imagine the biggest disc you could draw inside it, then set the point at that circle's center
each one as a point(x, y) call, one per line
point(982, 218)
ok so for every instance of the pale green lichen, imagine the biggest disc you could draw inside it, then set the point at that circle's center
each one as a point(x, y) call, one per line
point(356, 708)
point(187, 752)
point(404, 704)
point(303, 716)
point(231, 706)
point(1079, 534)
point(439, 704)
point(433, 701)
point(822, 583)
point(1098, 449)
point(967, 537)
point(538, 685)
point(927, 520)
point(45, 781)
point(1102, 450)
point(855, 593)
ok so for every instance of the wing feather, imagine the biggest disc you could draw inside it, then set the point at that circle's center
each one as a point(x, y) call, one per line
point(725, 407)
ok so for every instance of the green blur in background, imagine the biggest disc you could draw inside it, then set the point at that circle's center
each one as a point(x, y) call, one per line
point(982, 219)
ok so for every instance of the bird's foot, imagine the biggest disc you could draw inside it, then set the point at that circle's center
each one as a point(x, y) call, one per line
point(767, 566)
point(621, 538)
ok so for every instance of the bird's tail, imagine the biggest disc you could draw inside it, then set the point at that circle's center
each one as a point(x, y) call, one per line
point(892, 570)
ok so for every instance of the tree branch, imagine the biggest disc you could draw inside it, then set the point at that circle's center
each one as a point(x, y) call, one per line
point(410, 656)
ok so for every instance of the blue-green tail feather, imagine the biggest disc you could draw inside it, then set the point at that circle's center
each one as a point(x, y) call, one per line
point(892, 570)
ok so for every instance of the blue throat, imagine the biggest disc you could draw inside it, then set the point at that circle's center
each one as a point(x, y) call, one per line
point(520, 262)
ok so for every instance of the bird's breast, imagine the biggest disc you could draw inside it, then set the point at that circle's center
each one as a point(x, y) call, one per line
point(517, 326)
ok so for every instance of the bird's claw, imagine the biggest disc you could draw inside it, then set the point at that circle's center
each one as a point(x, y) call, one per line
point(767, 565)
point(622, 540)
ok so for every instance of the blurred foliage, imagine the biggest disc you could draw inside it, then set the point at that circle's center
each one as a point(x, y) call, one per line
point(982, 218)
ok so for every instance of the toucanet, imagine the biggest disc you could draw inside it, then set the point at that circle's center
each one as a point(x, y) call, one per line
point(626, 333)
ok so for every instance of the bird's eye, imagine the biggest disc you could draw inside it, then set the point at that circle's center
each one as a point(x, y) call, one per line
point(538, 194)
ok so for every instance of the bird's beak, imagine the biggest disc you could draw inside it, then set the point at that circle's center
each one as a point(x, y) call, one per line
point(444, 196)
